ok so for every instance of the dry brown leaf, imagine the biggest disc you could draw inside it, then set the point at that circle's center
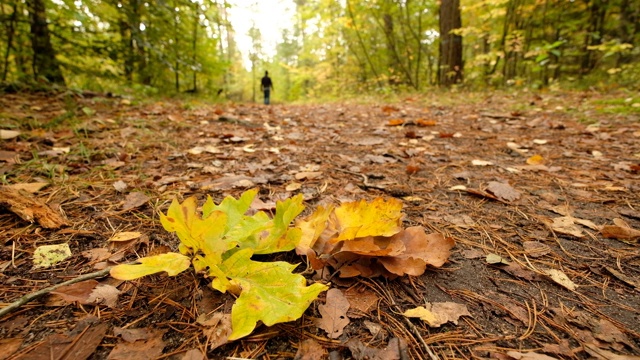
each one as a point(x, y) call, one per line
point(529, 356)
point(503, 191)
point(76, 292)
point(8, 134)
point(104, 294)
point(437, 314)
point(396, 349)
point(361, 301)
point(218, 328)
point(134, 200)
point(375, 246)
point(29, 187)
point(601, 354)
point(536, 249)
point(125, 236)
point(619, 232)
point(148, 348)
point(77, 344)
point(309, 175)
point(422, 250)
point(565, 225)
point(309, 349)
point(334, 313)
point(562, 279)
point(132, 335)
point(9, 346)
point(377, 330)
point(193, 354)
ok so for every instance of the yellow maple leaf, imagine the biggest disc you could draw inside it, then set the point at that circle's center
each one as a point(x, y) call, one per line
point(358, 219)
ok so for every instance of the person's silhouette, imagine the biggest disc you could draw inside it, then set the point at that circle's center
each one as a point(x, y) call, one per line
point(266, 85)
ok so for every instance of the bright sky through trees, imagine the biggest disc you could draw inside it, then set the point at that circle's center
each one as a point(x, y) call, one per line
point(269, 16)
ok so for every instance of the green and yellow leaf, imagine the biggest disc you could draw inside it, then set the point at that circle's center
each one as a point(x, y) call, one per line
point(172, 263)
point(270, 292)
point(359, 219)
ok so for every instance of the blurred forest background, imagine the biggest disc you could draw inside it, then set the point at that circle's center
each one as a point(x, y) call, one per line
point(336, 49)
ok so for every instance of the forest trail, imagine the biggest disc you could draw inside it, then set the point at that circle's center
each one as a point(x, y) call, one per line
point(541, 193)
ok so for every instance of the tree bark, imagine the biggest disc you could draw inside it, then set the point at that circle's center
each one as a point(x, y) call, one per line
point(45, 63)
point(451, 64)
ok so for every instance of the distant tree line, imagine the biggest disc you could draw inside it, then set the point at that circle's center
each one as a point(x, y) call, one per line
point(335, 47)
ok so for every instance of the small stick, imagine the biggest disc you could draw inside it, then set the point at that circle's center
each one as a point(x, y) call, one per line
point(34, 295)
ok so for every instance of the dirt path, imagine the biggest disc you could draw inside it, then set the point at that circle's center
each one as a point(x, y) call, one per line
point(544, 209)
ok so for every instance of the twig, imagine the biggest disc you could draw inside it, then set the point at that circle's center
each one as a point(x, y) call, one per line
point(34, 295)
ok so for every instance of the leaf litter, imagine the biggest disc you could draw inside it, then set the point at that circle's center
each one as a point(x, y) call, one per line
point(569, 287)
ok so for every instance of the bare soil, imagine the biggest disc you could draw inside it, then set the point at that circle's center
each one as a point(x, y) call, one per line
point(464, 165)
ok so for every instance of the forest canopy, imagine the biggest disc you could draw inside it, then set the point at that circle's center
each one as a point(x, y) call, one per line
point(335, 48)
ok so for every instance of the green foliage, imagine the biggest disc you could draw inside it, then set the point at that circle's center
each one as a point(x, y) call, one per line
point(221, 242)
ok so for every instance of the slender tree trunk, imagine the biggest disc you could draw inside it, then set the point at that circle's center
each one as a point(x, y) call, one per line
point(597, 11)
point(10, 34)
point(196, 23)
point(451, 65)
point(45, 63)
point(361, 42)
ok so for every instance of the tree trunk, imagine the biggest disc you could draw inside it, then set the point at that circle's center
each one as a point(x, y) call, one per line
point(45, 63)
point(451, 64)
point(10, 34)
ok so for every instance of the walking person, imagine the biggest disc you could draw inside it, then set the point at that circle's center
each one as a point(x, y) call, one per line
point(266, 86)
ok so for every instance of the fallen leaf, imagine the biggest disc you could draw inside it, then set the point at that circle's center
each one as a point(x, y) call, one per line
point(149, 348)
point(529, 356)
point(601, 354)
point(423, 122)
point(377, 330)
point(9, 346)
point(562, 279)
point(120, 186)
point(334, 313)
point(379, 217)
point(125, 236)
point(309, 175)
point(89, 292)
point(536, 249)
point(565, 225)
point(361, 301)
point(422, 250)
point(8, 134)
point(293, 186)
point(134, 200)
point(437, 314)
point(536, 160)
point(496, 259)
point(309, 349)
point(193, 354)
point(78, 344)
point(218, 328)
point(620, 232)
point(29, 187)
point(477, 162)
point(172, 263)
point(503, 191)
point(48, 255)
point(104, 294)
point(360, 351)
point(395, 122)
